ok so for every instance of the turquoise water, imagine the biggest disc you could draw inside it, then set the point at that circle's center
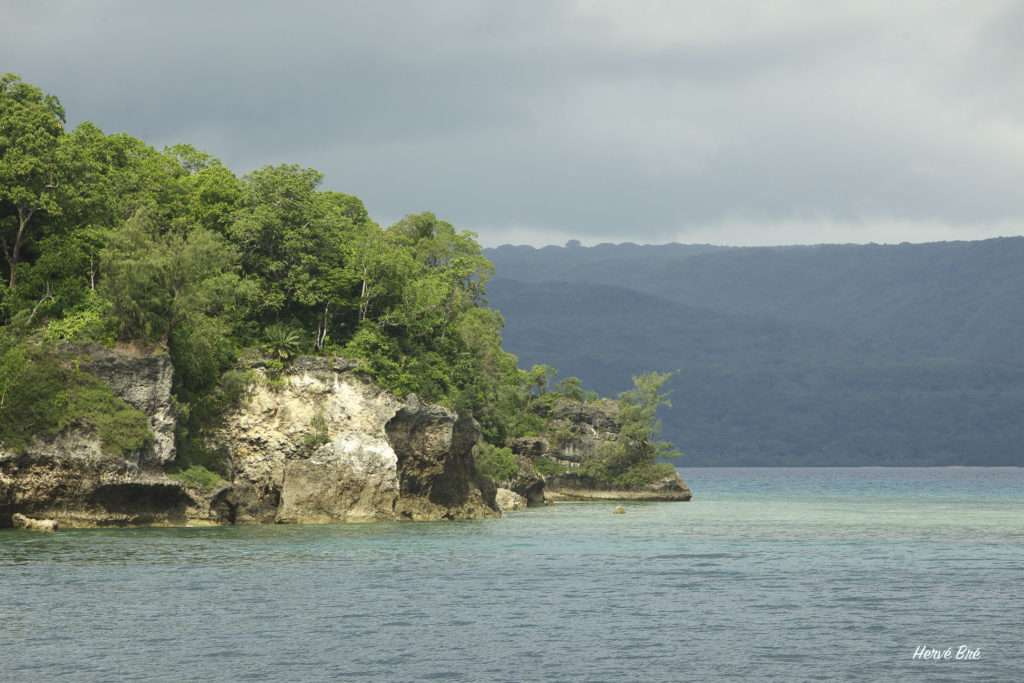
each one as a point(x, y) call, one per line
point(768, 574)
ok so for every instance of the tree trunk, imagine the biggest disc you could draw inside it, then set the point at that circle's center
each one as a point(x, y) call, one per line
point(13, 255)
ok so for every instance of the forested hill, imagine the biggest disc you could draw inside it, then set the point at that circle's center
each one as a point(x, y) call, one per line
point(107, 240)
point(821, 355)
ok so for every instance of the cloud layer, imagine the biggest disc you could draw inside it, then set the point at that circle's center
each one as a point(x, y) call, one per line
point(537, 122)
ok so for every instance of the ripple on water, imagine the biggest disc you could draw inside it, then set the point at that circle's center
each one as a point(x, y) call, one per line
point(765, 575)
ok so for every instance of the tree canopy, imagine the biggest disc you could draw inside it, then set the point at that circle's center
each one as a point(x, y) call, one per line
point(108, 239)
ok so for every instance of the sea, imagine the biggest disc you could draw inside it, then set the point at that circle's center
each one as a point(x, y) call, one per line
point(768, 574)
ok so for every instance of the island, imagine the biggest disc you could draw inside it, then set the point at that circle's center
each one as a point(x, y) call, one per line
point(180, 345)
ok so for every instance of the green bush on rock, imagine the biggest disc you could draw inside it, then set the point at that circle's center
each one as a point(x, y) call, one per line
point(54, 394)
point(494, 462)
point(196, 476)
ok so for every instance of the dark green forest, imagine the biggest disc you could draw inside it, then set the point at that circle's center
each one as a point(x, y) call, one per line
point(109, 240)
point(821, 355)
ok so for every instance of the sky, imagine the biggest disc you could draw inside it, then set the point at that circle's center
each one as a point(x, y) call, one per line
point(536, 122)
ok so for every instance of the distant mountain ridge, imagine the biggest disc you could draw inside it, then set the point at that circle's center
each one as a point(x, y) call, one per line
point(821, 355)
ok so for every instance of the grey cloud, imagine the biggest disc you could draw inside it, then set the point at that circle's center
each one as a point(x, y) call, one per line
point(595, 120)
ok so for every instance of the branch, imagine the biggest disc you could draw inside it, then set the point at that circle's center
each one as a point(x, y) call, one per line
point(46, 297)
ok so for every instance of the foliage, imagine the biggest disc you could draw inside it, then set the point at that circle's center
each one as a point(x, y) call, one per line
point(183, 290)
point(235, 385)
point(281, 340)
point(632, 459)
point(54, 394)
point(318, 436)
point(108, 239)
point(94, 322)
point(548, 467)
point(538, 377)
point(13, 354)
point(31, 125)
point(495, 462)
point(195, 476)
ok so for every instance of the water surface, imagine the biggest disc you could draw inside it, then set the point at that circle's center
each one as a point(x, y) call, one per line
point(771, 574)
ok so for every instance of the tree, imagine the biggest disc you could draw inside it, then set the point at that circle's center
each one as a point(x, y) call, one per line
point(31, 125)
point(493, 392)
point(98, 177)
point(211, 194)
point(382, 262)
point(632, 459)
point(297, 243)
point(538, 377)
point(183, 290)
point(451, 274)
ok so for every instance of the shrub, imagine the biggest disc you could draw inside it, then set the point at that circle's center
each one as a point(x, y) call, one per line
point(235, 385)
point(93, 323)
point(548, 467)
point(281, 340)
point(196, 476)
point(319, 436)
point(494, 462)
point(51, 394)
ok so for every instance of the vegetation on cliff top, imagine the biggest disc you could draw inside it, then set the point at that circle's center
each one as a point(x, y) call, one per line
point(107, 239)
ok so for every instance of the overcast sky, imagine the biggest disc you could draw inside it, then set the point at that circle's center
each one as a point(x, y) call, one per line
point(537, 122)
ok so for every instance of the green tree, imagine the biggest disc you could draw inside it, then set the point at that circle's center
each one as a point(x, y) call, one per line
point(538, 377)
point(296, 242)
point(571, 387)
point(210, 192)
point(492, 391)
point(633, 458)
point(66, 255)
point(382, 263)
point(494, 462)
point(31, 125)
point(450, 276)
point(184, 290)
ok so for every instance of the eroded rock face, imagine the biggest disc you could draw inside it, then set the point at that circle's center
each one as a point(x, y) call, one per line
point(576, 430)
point(142, 379)
point(70, 480)
point(529, 483)
point(530, 446)
point(322, 445)
point(318, 445)
point(509, 501)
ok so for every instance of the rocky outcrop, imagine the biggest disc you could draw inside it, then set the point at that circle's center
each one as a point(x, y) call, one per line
point(71, 480)
point(529, 446)
point(576, 431)
point(509, 501)
point(142, 378)
point(320, 444)
point(573, 486)
point(22, 522)
point(527, 483)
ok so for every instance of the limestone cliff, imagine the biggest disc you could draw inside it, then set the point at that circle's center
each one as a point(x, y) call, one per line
point(576, 429)
point(70, 478)
point(318, 444)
